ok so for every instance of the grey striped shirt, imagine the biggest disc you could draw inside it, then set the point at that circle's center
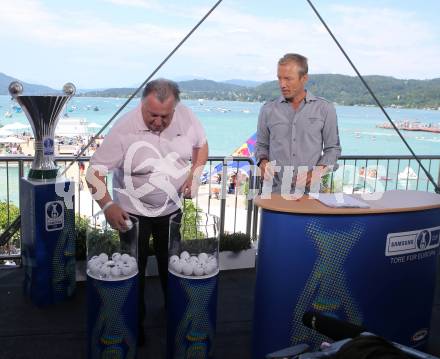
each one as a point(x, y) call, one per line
point(307, 136)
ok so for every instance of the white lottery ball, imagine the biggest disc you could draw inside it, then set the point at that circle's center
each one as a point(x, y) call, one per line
point(184, 255)
point(187, 269)
point(126, 269)
point(213, 261)
point(202, 257)
point(93, 261)
point(125, 257)
point(104, 271)
point(176, 266)
point(174, 259)
point(209, 268)
point(115, 271)
point(116, 256)
point(94, 267)
point(129, 224)
point(198, 270)
point(103, 257)
point(193, 260)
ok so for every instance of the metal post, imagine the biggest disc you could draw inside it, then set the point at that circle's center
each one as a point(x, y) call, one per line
point(223, 195)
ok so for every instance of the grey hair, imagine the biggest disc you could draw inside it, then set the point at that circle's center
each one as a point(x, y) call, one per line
point(298, 59)
point(163, 89)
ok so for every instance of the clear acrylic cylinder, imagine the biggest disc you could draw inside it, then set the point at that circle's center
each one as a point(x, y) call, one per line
point(194, 245)
point(193, 268)
point(111, 254)
point(112, 289)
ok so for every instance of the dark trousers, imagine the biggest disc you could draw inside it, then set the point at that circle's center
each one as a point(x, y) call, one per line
point(159, 228)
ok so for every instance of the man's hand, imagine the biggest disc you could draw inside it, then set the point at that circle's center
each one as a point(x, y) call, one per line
point(190, 186)
point(116, 216)
point(304, 179)
point(267, 171)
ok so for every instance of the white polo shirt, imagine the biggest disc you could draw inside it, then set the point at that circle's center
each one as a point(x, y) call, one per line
point(149, 168)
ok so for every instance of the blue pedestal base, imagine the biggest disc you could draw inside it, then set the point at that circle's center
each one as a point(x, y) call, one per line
point(374, 270)
point(192, 313)
point(48, 242)
point(112, 318)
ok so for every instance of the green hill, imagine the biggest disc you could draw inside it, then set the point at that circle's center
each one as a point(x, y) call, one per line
point(29, 89)
point(348, 90)
point(341, 89)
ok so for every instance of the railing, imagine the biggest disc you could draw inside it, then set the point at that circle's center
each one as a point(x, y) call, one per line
point(230, 203)
point(383, 173)
point(233, 204)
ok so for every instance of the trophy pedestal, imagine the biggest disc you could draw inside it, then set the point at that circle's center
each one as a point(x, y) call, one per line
point(48, 242)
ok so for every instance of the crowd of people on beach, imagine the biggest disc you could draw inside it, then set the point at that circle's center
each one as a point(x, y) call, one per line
point(23, 144)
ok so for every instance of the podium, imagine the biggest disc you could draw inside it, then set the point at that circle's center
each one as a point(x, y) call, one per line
point(374, 267)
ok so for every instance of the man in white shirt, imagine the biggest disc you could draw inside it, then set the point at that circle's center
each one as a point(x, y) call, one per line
point(149, 151)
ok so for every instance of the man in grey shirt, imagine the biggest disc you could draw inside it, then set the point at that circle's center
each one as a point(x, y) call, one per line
point(297, 133)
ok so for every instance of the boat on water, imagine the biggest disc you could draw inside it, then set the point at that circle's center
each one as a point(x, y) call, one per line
point(407, 174)
point(7, 114)
point(408, 125)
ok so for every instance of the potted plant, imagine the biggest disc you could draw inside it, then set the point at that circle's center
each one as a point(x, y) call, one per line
point(236, 251)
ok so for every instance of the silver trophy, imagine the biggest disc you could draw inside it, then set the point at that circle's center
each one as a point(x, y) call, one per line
point(42, 113)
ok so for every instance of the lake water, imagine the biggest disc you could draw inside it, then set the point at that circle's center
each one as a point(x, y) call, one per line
point(228, 130)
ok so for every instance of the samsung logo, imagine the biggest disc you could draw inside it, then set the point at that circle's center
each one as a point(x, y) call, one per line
point(410, 242)
point(402, 243)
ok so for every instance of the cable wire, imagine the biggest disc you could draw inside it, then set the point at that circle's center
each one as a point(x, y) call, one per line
point(164, 61)
point(15, 225)
point(428, 175)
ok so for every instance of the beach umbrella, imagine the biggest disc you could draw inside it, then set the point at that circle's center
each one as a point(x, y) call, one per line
point(11, 139)
point(4, 132)
point(15, 126)
point(247, 149)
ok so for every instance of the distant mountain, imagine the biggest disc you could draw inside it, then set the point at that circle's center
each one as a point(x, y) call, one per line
point(208, 89)
point(29, 89)
point(187, 78)
point(341, 89)
point(245, 83)
point(112, 92)
point(349, 90)
point(207, 86)
point(192, 89)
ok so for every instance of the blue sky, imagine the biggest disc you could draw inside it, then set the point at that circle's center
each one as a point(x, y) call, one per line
point(112, 43)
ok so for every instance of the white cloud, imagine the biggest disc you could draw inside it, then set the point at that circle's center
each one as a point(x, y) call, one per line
point(146, 4)
point(388, 41)
point(230, 44)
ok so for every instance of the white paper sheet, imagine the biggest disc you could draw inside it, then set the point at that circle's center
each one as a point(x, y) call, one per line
point(339, 200)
